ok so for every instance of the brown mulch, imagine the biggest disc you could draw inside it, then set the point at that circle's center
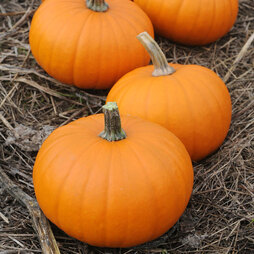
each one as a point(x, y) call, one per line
point(220, 214)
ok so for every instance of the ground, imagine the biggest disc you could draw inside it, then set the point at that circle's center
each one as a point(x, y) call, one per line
point(220, 214)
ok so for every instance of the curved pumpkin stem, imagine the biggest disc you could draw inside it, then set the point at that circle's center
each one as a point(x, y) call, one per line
point(97, 5)
point(161, 67)
point(113, 130)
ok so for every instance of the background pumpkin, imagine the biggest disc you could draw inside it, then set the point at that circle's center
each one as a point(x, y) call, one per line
point(114, 194)
point(87, 48)
point(189, 100)
point(191, 22)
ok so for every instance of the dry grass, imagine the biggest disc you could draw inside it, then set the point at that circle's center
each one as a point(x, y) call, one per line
point(220, 215)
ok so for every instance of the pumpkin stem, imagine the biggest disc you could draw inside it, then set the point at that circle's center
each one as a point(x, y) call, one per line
point(97, 5)
point(113, 130)
point(161, 67)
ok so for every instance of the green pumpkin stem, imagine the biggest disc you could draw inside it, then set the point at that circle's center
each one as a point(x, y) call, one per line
point(97, 5)
point(161, 67)
point(112, 130)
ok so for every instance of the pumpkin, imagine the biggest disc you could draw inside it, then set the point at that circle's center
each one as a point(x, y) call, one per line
point(189, 100)
point(113, 188)
point(90, 44)
point(191, 22)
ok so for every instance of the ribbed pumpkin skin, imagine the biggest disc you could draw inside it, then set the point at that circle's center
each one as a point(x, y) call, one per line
point(193, 103)
point(191, 22)
point(89, 49)
point(113, 194)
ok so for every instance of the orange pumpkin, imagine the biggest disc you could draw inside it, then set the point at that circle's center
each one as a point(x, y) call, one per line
point(189, 100)
point(90, 44)
point(116, 189)
point(191, 22)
